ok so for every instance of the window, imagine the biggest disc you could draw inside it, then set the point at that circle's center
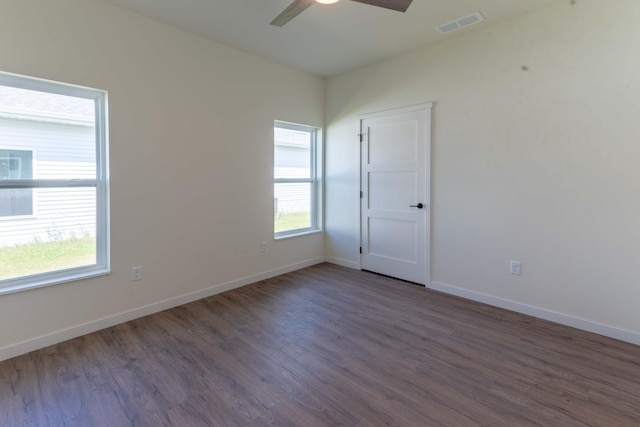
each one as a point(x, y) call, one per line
point(16, 164)
point(295, 185)
point(53, 183)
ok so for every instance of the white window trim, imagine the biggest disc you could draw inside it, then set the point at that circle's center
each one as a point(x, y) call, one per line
point(313, 180)
point(100, 183)
point(297, 233)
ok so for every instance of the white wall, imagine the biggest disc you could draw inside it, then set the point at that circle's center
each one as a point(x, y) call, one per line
point(539, 164)
point(191, 136)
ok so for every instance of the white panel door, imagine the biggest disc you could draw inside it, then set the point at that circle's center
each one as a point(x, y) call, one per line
point(395, 203)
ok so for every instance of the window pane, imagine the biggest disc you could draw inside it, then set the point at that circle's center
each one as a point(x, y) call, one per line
point(61, 236)
point(16, 164)
point(16, 202)
point(52, 134)
point(292, 206)
point(56, 130)
point(292, 157)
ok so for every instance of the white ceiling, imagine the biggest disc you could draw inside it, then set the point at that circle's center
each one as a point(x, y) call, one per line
point(324, 40)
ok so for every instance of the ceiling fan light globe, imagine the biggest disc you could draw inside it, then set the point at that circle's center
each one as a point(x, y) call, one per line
point(327, 1)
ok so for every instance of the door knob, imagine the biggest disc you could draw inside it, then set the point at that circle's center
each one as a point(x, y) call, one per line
point(419, 206)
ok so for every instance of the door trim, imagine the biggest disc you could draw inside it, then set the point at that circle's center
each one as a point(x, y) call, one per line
point(427, 109)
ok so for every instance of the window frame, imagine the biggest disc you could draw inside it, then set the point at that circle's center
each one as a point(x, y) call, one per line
point(312, 180)
point(100, 183)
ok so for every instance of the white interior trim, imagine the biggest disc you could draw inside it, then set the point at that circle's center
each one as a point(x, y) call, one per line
point(552, 316)
point(23, 347)
point(343, 262)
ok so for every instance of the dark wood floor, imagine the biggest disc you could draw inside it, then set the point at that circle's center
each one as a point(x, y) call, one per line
point(327, 346)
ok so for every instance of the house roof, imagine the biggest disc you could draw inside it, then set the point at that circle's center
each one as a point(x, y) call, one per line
point(291, 137)
point(43, 106)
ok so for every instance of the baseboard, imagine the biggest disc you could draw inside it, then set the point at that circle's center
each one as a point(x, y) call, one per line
point(343, 262)
point(27, 346)
point(552, 316)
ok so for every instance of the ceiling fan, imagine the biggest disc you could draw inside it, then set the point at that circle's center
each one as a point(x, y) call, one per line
point(298, 6)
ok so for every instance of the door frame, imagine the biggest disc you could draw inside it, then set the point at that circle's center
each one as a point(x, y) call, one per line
point(427, 109)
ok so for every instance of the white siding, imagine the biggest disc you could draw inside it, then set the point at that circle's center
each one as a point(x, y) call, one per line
point(60, 151)
point(292, 198)
point(292, 161)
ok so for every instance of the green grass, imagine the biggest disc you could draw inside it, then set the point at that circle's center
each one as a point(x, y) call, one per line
point(292, 221)
point(34, 258)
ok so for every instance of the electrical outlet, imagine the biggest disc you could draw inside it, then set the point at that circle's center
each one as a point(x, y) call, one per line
point(263, 246)
point(136, 273)
point(514, 267)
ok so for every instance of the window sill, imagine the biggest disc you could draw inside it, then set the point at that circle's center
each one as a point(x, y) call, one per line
point(298, 234)
point(50, 281)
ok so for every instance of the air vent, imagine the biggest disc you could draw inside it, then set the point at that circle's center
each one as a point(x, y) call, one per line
point(460, 23)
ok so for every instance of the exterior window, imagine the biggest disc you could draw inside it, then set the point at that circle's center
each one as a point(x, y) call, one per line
point(53, 183)
point(16, 164)
point(295, 181)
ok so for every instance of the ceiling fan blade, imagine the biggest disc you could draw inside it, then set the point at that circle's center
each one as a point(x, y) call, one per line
point(294, 9)
point(399, 5)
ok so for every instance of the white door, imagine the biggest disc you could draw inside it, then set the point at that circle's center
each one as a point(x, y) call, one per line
point(395, 184)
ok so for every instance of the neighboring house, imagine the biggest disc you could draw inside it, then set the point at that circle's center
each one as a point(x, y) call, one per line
point(31, 123)
point(292, 154)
